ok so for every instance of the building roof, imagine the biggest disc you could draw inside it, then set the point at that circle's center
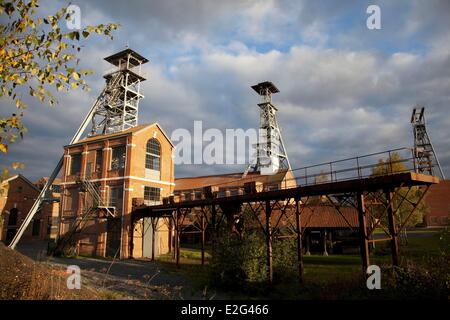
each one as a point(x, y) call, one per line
point(265, 85)
point(116, 56)
point(323, 216)
point(42, 181)
point(329, 217)
point(23, 178)
point(124, 133)
point(226, 180)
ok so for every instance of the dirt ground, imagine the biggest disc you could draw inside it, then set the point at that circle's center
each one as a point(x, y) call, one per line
point(28, 268)
point(23, 278)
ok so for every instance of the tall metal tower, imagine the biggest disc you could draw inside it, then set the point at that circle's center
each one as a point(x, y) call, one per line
point(423, 149)
point(271, 154)
point(117, 107)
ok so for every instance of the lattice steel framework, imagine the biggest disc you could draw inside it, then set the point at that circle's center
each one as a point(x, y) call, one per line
point(271, 153)
point(424, 152)
point(118, 105)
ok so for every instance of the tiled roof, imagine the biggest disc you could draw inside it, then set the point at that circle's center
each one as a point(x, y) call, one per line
point(324, 216)
point(329, 217)
point(226, 180)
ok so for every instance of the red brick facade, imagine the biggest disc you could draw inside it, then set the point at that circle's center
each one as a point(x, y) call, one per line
point(438, 203)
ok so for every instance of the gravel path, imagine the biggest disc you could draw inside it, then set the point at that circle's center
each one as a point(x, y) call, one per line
point(124, 279)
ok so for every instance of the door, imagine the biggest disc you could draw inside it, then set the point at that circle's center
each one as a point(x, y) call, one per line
point(113, 237)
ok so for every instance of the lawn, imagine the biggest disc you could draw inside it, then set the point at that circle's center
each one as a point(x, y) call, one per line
point(320, 272)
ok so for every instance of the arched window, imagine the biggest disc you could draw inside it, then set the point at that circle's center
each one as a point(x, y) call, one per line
point(12, 221)
point(153, 155)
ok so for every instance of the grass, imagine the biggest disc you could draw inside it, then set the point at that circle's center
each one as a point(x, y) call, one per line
point(339, 272)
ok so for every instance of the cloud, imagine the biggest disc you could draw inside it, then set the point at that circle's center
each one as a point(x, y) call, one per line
point(344, 91)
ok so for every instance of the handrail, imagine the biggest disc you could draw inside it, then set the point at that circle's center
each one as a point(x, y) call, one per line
point(333, 173)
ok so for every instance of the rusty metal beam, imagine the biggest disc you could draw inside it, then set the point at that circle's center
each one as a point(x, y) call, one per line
point(364, 243)
point(299, 241)
point(414, 209)
point(269, 243)
point(392, 227)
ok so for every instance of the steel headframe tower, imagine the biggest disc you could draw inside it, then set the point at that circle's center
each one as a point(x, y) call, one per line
point(423, 149)
point(271, 153)
point(117, 109)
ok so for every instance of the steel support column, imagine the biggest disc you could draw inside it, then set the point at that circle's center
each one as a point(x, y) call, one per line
point(364, 243)
point(202, 222)
point(269, 242)
point(177, 237)
point(299, 241)
point(130, 243)
point(392, 227)
point(323, 233)
point(214, 227)
point(154, 222)
point(170, 235)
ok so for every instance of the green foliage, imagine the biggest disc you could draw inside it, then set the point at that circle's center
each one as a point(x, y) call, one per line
point(285, 261)
point(395, 164)
point(241, 262)
point(37, 54)
point(430, 280)
point(444, 242)
point(237, 262)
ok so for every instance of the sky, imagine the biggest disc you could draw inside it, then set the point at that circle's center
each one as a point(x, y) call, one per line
point(345, 90)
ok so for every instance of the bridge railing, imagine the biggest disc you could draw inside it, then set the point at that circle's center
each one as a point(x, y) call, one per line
point(380, 163)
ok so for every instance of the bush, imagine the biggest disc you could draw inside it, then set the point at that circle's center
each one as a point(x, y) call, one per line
point(241, 262)
point(416, 281)
point(238, 263)
point(285, 260)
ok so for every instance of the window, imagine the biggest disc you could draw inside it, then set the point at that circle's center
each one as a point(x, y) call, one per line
point(71, 200)
point(116, 198)
point(152, 195)
point(153, 155)
point(12, 221)
point(89, 167)
point(98, 160)
point(118, 158)
point(56, 188)
point(36, 227)
point(75, 164)
point(19, 189)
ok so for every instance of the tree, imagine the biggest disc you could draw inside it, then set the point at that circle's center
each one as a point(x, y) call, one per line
point(395, 164)
point(36, 54)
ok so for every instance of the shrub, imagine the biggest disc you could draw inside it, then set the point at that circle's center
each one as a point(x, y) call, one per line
point(241, 261)
point(238, 263)
point(285, 259)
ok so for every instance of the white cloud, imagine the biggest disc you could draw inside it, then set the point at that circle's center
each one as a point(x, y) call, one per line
point(335, 101)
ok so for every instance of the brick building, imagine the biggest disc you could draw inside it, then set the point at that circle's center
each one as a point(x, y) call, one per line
point(16, 199)
point(101, 176)
point(50, 207)
point(438, 203)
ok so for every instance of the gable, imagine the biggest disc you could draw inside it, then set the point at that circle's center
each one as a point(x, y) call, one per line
point(158, 128)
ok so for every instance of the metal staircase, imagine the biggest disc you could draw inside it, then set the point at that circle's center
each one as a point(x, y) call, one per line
point(93, 202)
